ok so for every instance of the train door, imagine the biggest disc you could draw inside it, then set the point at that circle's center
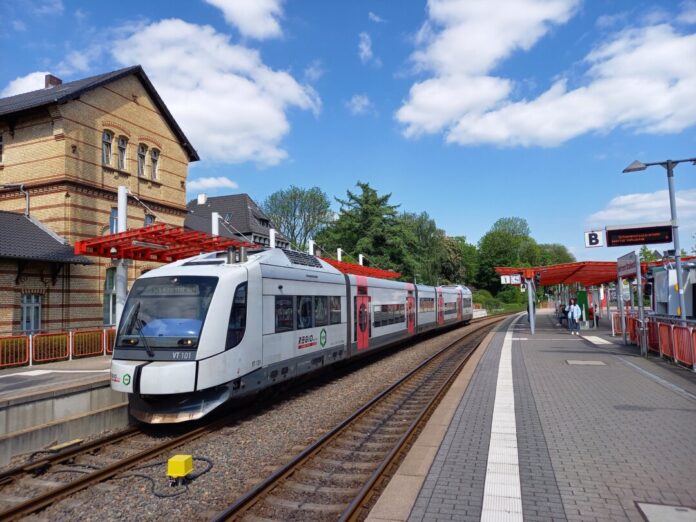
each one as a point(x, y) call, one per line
point(440, 307)
point(362, 321)
point(460, 306)
point(411, 313)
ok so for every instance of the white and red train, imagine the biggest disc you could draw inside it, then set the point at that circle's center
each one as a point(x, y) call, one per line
point(199, 332)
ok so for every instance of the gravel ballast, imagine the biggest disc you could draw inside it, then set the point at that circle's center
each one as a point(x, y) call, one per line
point(244, 453)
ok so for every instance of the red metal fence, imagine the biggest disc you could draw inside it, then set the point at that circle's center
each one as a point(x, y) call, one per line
point(22, 350)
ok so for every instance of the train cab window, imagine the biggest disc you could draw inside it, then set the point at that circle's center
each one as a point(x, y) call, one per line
point(321, 311)
point(237, 324)
point(335, 309)
point(466, 302)
point(304, 312)
point(284, 313)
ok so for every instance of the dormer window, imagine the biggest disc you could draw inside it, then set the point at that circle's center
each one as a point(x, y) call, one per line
point(107, 138)
point(154, 158)
point(122, 149)
point(142, 154)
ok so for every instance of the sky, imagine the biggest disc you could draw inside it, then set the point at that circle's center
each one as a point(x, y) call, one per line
point(469, 110)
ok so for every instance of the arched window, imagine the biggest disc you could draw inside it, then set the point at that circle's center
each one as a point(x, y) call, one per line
point(107, 137)
point(154, 158)
point(142, 154)
point(122, 149)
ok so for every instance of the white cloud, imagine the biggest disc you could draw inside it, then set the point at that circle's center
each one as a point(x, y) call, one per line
point(375, 18)
point(359, 104)
point(31, 82)
point(365, 50)
point(211, 183)
point(19, 26)
point(230, 104)
point(641, 79)
point(688, 12)
point(314, 71)
point(253, 18)
point(48, 7)
point(647, 207)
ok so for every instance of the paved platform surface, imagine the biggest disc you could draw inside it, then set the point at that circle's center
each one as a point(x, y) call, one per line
point(559, 427)
point(20, 382)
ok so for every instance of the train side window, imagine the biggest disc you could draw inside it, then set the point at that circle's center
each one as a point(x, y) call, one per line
point(237, 324)
point(284, 313)
point(335, 309)
point(304, 312)
point(321, 311)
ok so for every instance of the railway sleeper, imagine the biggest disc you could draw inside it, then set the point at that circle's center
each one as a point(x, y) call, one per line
point(301, 487)
point(363, 455)
point(328, 476)
point(303, 506)
point(345, 464)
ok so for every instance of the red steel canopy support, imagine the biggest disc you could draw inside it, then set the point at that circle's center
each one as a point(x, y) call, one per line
point(160, 242)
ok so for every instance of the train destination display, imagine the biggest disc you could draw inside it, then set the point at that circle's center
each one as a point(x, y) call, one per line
point(636, 235)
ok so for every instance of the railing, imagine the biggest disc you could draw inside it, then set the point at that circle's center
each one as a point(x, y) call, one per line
point(29, 349)
point(669, 336)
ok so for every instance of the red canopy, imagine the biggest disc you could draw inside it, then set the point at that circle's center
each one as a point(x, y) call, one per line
point(352, 268)
point(587, 273)
point(160, 242)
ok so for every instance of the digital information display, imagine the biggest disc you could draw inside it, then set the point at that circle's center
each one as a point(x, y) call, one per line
point(635, 236)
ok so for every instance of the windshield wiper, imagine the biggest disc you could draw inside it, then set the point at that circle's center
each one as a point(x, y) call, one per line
point(139, 327)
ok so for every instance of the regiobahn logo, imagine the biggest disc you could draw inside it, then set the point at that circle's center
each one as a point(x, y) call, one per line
point(308, 341)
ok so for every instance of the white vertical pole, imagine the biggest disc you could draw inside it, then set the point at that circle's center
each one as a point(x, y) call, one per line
point(339, 254)
point(272, 237)
point(641, 317)
point(215, 224)
point(620, 303)
point(360, 259)
point(121, 267)
point(310, 247)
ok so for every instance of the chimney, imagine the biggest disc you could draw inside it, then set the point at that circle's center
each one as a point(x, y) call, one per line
point(52, 81)
point(202, 198)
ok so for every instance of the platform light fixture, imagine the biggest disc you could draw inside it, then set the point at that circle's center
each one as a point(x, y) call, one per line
point(669, 165)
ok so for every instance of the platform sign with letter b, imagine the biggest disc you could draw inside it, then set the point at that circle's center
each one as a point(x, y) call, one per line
point(594, 239)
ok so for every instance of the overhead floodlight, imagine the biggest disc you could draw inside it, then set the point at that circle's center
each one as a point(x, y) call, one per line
point(636, 166)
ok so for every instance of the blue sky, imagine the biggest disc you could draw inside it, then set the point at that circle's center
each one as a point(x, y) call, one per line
point(468, 110)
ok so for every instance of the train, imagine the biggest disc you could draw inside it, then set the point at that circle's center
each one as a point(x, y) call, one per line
point(203, 331)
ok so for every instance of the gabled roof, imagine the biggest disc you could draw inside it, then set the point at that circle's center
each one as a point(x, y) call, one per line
point(25, 238)
point(72, 90)
point(239, 210)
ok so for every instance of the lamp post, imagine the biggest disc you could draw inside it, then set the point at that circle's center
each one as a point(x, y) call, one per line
point(669, 165)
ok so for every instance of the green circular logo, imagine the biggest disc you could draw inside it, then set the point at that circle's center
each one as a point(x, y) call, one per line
point(126, 379)
point(322, 337)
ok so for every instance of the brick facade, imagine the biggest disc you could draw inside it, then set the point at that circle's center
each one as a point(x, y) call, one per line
point(56, 152)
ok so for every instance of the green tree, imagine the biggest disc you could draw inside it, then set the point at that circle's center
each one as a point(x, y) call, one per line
point(460, 261)
point(554, 254)
point(514, 225)
point(298, 213)
point(646, 254)
point(368, 224)
point(425, 245)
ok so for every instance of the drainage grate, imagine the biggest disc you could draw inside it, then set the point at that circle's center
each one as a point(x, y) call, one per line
point(585, 363)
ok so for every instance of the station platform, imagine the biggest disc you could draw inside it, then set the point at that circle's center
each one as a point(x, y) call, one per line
point(552, 426)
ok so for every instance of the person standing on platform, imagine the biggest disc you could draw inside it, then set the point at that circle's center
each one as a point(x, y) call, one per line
point(574, 314)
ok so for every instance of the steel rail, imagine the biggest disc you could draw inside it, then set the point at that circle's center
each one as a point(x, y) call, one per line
point(42, 501)
point(256, 494)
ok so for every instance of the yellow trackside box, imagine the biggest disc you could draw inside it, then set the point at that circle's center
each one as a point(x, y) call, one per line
point(179, 466)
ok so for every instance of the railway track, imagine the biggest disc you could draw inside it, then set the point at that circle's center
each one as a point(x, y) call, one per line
point(337, 476)
point(31, 487)
point(93, 463)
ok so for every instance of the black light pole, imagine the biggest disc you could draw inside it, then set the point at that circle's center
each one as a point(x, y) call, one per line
point(669, 165)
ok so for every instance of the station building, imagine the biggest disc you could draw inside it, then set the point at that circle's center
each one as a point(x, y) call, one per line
point(64, 150)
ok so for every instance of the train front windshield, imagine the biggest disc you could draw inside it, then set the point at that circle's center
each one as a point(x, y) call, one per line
point(166, 312)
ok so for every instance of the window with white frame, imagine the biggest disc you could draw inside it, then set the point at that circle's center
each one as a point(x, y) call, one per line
point(154, 162)
point(107, 138)
point(31, 312)
point(110, 296)
point(122, 151)
point(142, 154)
point(113, 220)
